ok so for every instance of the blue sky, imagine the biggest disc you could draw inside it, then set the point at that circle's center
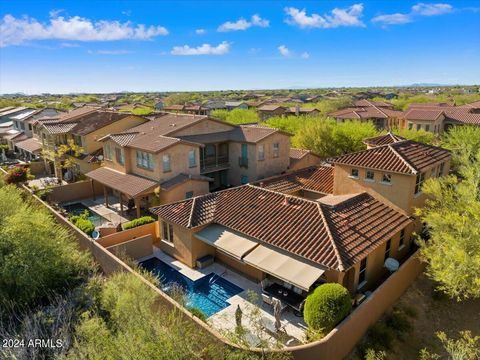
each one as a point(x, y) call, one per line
point(104, 46)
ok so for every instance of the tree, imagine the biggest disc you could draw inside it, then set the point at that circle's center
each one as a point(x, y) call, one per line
point(327, 138)
point(452, 213)
point(66, 153)
point(236, 116)
point(466, 347)
point(422, 136)
point(327, 306)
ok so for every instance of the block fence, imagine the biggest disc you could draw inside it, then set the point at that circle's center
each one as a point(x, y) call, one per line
point(336, 345)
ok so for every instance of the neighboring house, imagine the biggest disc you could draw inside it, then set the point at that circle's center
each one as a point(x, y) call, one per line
point(159, 105)
point(187, 155)
point(298, 111)
point(301, 158)
point(425, 119)
point(268, 111)
point(388, 138)
point(230, 105)
point(215, 105)
point(7, 113)
point(395, 171)
point(84, 127)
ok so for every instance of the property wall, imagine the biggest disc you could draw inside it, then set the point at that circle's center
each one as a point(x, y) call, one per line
point(130, 234)
point(37, 167)
point(134, 249)
point(75, 191)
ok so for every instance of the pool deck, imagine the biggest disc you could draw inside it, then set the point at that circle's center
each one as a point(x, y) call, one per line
point(293, 327)
point(98, 206)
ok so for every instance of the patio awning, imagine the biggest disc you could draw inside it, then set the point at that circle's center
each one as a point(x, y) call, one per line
point(128, 184)
point(30, 145)
point(284, 267)
point(226, 240)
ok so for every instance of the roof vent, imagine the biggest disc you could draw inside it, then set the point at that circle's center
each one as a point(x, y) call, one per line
point(286, 201)
point(261, 184)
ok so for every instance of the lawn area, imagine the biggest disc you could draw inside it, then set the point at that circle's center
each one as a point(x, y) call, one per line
point(433, 313)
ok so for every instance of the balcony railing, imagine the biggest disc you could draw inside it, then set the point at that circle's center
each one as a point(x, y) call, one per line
point(212, 163)
point(243, 161)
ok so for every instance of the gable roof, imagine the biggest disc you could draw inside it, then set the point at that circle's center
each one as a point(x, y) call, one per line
point(271, 107)
point(405, 157)
point(388, 138)
point(423, 114)
point(334, 236)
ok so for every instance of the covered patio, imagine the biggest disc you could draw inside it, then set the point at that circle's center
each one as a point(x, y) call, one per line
point(285, 277)
point(127, 187)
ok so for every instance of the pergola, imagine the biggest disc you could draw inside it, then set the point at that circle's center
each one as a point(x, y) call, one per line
point(128, 185)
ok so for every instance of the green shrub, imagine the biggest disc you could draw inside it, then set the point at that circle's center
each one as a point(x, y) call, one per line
point(327, 306)
point(83, 223)
point(398, 321)
point(3, 147)
point(198, 313)
point(138, 222)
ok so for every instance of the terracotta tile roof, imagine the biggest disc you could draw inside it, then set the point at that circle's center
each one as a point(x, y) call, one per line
point(271, 107)
point(366, 103)
point(473, 105)
point(129, 184)
point(180, 179)
point(122, 139)
point(166, 124)
point(406, 157)
point(59, 128)
point(388, 138)
point(241, 133)
point(429, 105)
point(360, 113)
point(423, 114)
point(463, 116)
point(335, 237)
point(315, 178)
point(299, 153)
point(293, 110)
point(174, 107)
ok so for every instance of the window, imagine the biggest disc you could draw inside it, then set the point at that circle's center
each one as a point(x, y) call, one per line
point(418, 182)
point(107, 151)
point(119, 155)
point(386, 178)
point(244, 179)
point(261, 152)
point(354, 173)
point(440, 169)
point(276, 150)
point(192, 158)
point(167, 232)
point(387, 249)
point(167, 166)
point(77, 140)
point(188, 194)
point(369, 175)
point(22, 125)
point(427, 127)
point(410, 126)
point(30, 127)
point(362, 275)
point(401, 242)
point(419, 126)
point(144, 160)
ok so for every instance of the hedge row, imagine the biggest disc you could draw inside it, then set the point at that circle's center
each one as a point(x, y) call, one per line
point(138, 222)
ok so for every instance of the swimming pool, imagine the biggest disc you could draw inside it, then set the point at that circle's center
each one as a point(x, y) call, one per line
point(79, 208)
point(209, 293)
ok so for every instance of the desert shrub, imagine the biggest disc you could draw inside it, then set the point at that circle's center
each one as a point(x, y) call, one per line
point(398, 321)
point(18, 174)
point(37, 257)
point(83, 223)
point(327, 306)
point(198, 313)
point(138, 222)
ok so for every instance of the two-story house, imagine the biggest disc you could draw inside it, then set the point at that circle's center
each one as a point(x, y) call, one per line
point(186, 155)
point(84, 127)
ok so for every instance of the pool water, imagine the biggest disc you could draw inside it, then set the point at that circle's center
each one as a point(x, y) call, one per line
point(79, 208)
point(209, 293)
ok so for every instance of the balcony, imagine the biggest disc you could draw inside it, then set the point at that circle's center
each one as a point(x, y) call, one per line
point(243, 162)
point(214, 163)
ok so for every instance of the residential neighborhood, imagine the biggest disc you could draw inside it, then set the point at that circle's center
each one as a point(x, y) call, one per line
point(239, 180)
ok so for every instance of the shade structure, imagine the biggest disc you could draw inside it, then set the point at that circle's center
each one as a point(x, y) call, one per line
point(228, 241)
point(284, 267)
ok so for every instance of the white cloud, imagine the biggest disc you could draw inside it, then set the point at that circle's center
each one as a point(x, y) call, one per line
point(393, 19)
point(127, 12)
point(432, 9)
point(55, 12)
point(200, 31)
point(338, 17)
point(284, 51)
point(420, 9)
point(305, 55)
point(242, 24)
point(109, 52)
point(69, 45)
point(205, 49)
point(16, 31)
